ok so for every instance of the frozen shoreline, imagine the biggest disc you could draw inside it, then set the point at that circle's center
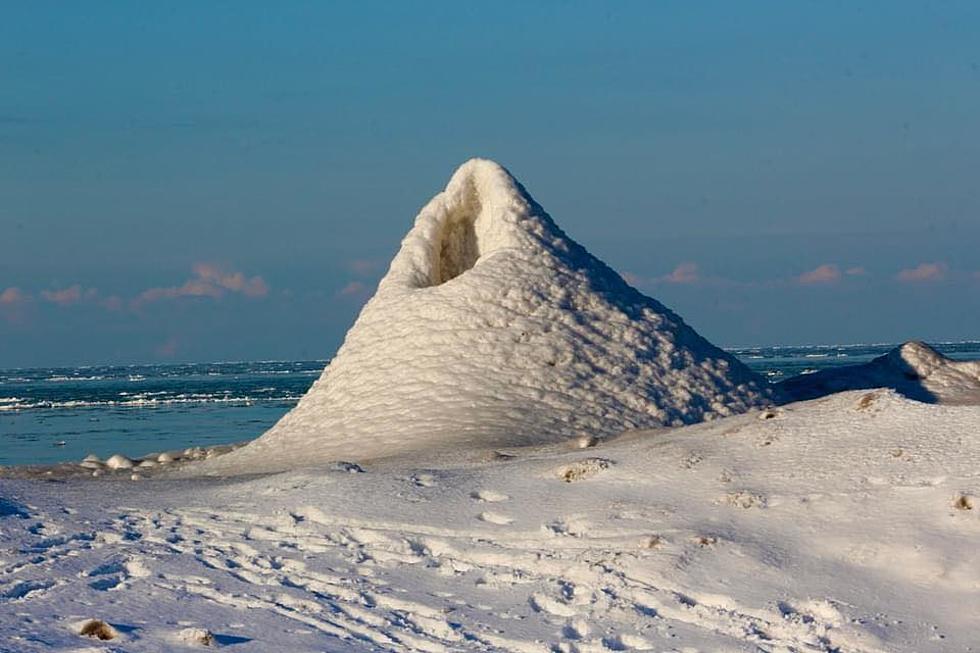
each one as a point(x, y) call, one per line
point(107, 416)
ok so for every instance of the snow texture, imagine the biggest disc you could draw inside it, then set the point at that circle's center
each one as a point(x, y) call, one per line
point(846, 524)
point(493, 328)
point(914, 369)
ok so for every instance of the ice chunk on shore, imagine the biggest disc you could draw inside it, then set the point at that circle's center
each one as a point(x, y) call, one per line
point(493, 328)
point(914, 369)
point(119, 461)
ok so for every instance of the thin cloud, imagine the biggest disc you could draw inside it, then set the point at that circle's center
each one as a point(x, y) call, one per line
point(354, 289)
point(363, 266)
point(827, 273)
point(924, 272)
point(112, 303)
point(12, 305)
point(683, 273)
point(633, 279)
point(70, 295)
point(687, 273)
point(233, 281)
point(12, 297)
point(209, 281)
point(856, 271)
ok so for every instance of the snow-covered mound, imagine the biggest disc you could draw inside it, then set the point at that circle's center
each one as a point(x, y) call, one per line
point(914, 369)
point(492, 328)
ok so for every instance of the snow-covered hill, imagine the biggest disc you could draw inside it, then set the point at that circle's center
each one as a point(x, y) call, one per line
point(492, 327)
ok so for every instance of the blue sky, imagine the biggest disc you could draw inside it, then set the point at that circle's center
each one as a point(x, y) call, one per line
point(214, 181)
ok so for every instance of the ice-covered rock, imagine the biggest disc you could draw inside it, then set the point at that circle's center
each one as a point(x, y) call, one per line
point(119, 461)
point(97, 629)
point(493, 328)
point(914, 369)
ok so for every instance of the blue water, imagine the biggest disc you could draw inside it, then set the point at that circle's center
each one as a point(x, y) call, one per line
point(55, 414)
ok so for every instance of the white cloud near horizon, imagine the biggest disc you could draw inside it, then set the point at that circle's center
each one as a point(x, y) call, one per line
point(12, 296)
point(12, 303)
point(687, 272)
point(829, 273)
point(67, 296)
point(355, 290)
point(826, 273)
point(684, 273)
point(924, 272)
point(209, 281)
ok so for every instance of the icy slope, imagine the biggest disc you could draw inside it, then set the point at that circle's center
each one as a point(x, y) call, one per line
point(914, 369)
point(843, 525)
point(492, 327)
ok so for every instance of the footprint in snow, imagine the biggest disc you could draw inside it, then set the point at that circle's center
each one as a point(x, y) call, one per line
point(344, 466)
point(542, 603)
point(495, 518)
point(489, 496)
point(626, 642)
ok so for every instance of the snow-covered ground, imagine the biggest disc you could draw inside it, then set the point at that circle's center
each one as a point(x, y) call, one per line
point(848, 523)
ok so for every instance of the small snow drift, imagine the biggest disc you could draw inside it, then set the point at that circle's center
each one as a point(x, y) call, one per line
point(493, 328)
point(914, 369)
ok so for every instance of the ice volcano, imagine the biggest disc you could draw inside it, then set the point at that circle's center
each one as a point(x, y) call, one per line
point(913, 369)
point(493, 328)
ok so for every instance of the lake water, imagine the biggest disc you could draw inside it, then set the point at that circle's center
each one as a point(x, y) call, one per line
point(55, 414)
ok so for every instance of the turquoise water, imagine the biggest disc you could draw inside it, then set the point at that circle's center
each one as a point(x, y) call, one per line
point(54, 414)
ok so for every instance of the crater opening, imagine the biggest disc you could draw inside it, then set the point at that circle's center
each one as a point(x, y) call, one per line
point(458, 246)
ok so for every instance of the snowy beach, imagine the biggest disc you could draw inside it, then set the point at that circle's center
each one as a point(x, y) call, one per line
point(842, 524)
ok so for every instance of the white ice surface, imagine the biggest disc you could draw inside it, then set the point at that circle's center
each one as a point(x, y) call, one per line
point(493, 328)
point(848, 523)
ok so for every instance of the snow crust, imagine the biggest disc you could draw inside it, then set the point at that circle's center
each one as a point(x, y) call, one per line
point(493, 328)
point(844, 524)
point(914, 369)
